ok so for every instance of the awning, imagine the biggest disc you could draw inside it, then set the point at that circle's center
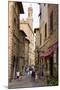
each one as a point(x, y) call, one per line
point(49, 51)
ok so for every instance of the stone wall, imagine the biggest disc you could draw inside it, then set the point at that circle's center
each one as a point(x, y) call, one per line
point(52, 38)
point(30, 35)
point(26, 52)
point(14, 39)
point(10, 33)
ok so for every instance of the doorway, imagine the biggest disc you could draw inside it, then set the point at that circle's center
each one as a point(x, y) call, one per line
point(51, 65)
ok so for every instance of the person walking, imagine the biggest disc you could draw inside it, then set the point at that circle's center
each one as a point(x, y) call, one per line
point(33, 75)
point(17, 74)
point(36, 77)
point(27, 71)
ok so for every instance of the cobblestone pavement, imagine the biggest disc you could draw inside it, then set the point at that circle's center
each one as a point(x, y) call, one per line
point(27, 82)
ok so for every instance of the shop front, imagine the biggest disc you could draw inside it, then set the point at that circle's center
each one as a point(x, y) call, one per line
point(49, 60)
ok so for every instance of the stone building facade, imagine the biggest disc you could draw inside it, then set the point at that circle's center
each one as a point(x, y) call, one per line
point(43, 35)
point(26, 26)
point(48, 49)
point(37, 45)
point(26, 51)
point(15, 9)
point(22, 51)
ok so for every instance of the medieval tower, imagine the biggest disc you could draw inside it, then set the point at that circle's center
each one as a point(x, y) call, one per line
point(30, 17)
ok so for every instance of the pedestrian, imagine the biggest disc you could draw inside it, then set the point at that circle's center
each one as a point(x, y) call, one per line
point(33, 74)
point(27, 71)
point(36, 77)
point(17, 74)
point(30, 72)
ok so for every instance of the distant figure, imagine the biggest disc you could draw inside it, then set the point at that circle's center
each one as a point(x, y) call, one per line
point(36, 77)
point(33, 74)
point(27, 71)
point(30, 70)
point(17, 74)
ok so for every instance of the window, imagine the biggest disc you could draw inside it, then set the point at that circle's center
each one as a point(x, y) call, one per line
point(44, 4)
point(14, 21)
point(51, 22)
point(45, 30)
point(40, 13)
point(40, 38)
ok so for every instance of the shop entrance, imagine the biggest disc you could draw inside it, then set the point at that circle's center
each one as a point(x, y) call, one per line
point(51, 66)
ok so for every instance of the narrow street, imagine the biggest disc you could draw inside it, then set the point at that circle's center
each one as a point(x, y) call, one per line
point(27, 82)
point(33, 45)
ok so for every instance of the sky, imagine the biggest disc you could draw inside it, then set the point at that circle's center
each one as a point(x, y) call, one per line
point(35, 8)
